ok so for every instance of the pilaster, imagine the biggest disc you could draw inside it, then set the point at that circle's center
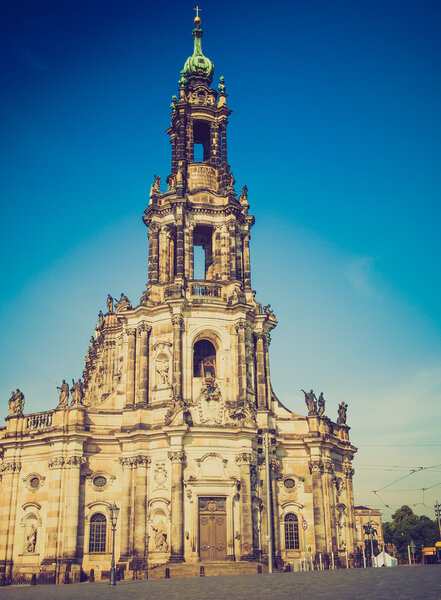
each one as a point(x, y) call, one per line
point(244, 460)
point(177, 459)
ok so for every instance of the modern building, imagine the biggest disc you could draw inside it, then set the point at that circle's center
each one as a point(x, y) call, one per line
point(176, 400)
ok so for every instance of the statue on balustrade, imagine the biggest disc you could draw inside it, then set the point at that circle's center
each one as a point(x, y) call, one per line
point(16, 403)
point(77, 393)
point(64, 393)
point(342, 408)
point(321, 404)
point(109, 304)
point(310, 400)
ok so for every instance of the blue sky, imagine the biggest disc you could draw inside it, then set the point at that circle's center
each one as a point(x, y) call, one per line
point(336, 130)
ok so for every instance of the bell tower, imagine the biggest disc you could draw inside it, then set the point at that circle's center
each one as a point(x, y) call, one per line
point(199, 245)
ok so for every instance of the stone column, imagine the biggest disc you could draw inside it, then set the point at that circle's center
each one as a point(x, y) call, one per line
point(177, 356)
point(224, 142)
point(186, 234)
point(260, 371)
point(266, 343)
point(232, 259)
point(316, 469)
point(217, 259)
point(239, 256)
point(246, 520)
point(328, 503)
point(190, 140)
point(177, 459)
point(241, 360)
point(131, 356)
point(72, 503)
point(246, 261)
point(142, 463)
point(215, 144)
point(349, 473)
point(174, 160)
point(153, 253)
point(53, 525)
point(10, 471)
point(143, 369)
point(190, 253)
point(163, 254)
point(108, 368)
point(224, 251)
point(126, 507)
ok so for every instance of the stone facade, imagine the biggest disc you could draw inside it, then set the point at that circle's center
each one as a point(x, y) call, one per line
point(364, 516)
point(175, 395)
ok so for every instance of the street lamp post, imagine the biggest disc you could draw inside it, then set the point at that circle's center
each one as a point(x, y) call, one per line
point(114, 512)
point(146, 574)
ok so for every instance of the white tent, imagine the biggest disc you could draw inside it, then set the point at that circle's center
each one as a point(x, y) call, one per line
point(385, 560)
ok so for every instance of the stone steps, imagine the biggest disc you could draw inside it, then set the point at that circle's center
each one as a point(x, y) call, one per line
point(211, 569)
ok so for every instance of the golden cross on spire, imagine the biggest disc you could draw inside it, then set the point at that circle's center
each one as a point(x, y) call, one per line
point(197, 9)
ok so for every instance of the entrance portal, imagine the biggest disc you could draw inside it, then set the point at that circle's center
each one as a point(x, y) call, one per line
point(212, 529)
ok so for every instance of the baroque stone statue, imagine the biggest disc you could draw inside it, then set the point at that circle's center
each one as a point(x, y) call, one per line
point(16, 403)
point(109, 304)
point(64, 393)
point(342, 408)
point(77, 393)
point(31, 539)
point(310, 400)
point(321, 404)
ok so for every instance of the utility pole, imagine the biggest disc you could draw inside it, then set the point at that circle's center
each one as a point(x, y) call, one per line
point(438, 516)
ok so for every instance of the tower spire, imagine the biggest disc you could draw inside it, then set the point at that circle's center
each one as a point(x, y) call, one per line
point(198, 65)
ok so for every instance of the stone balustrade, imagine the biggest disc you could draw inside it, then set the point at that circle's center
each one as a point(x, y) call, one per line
point(38, 420)
point(205, 288)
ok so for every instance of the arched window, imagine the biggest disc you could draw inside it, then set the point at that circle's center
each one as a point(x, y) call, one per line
point(97, 537)
point(291, 532)
point(204, 359)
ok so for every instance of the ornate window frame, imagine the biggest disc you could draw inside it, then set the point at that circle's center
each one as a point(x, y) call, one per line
point(90, 480)
point(28, 478)
point(100, 506)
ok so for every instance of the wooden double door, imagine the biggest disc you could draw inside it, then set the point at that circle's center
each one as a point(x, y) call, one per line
point(212, 528)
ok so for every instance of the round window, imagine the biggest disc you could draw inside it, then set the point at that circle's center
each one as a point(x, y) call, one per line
point(99, 481)
point(289, 483)
point(34, 483)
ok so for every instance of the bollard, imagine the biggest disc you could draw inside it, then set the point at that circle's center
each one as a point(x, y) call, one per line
point(202, 571)
point(167, 573)
point(92, 576)
point(259, 569)
point(34, 579)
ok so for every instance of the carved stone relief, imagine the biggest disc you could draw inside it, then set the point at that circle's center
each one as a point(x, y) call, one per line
point(160, 476)
point(210, 404)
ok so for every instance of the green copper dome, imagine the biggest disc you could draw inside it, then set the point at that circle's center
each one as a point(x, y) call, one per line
point(198, 65)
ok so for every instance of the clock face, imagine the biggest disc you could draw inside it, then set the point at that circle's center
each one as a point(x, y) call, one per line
point(289, 483)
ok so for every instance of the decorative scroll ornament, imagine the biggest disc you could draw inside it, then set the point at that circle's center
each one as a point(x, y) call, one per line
point(175, 408)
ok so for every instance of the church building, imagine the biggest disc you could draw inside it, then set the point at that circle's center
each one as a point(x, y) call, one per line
point(176, 401)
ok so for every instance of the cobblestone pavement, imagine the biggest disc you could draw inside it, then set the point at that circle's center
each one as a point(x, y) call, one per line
point(401, 583)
